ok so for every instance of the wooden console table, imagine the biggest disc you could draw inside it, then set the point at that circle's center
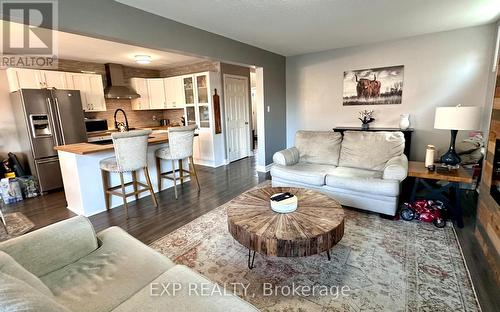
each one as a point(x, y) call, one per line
point(417, 170)
point(407, 134)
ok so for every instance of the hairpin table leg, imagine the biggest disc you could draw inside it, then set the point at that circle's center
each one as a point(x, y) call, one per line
point(250, 264)
point(4, 223)
point(328, 254)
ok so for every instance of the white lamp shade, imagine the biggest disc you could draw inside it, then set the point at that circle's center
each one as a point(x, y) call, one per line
point(457, 118)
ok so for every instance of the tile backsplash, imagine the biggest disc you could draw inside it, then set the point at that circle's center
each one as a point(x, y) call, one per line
point(136, 118)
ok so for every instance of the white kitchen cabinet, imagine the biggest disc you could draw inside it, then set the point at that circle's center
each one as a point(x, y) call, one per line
point(96, 94)
point(152, 92)
point(156, 90)
point(78, 82)
point(202, 89)
point(91, 90)
point(53, 79)
point(158, 93)
point(188, 89)
point(174, 92)
point(140, 85)
point(23, 78)
point(90, 85)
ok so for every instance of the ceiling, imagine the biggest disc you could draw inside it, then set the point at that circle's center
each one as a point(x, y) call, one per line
point(76, 47)
point(291, 27)
point(82, 48)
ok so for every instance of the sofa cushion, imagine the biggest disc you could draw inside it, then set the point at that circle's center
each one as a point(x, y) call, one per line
point(153, 298)
point(318, 147)
point(120, 267)
point(362, 180)
point(52, 247)
point(370, 150)
point(9, 266)
point(312, 174)
point(16, 295)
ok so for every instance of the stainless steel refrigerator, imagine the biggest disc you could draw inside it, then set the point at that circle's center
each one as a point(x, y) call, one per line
point(47, 118)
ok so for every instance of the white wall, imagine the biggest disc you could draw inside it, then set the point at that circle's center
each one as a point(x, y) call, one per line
point(441, 69)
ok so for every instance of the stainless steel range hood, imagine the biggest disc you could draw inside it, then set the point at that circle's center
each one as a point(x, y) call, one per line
point(116, 87)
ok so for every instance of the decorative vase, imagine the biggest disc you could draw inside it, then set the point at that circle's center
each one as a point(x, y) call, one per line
point(365, 126)
point(404, 122)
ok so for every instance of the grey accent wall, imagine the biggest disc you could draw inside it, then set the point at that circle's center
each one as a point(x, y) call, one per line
point(107, 19)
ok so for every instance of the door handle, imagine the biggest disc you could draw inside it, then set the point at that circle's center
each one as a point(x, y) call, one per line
point(47, 161)
point(52, 125)
point(59, 121)
point(246, 122)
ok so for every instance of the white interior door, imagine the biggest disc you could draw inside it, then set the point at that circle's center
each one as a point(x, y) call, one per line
point(237, 116)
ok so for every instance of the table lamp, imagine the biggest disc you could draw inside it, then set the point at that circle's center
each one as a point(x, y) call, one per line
point(454, 119)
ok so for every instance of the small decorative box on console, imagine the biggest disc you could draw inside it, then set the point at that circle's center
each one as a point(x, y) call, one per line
point(283, 202)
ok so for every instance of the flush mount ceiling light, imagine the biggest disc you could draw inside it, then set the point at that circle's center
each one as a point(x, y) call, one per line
point(142, 59)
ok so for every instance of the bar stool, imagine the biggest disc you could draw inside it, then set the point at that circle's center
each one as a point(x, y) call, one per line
point(131, 150)
point(180, 147)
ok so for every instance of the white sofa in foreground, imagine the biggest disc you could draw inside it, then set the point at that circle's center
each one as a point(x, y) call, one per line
point(360, 169)
point(67, 267)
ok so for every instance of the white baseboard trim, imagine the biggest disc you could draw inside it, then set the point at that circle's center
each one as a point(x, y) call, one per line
point(206, 163)
point(264, 169)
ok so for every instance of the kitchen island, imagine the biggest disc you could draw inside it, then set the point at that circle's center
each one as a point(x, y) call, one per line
point(82, 175)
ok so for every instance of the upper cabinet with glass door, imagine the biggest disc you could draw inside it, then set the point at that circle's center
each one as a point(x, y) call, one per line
point(196, 93)
point(188, 82)
point(202, 92)
point(202, 88)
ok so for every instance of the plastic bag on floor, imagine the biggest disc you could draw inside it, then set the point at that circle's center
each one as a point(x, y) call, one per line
point(10, 190)
point(29, 186)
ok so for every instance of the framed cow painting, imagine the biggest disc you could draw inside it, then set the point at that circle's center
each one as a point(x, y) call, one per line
point(374, 86)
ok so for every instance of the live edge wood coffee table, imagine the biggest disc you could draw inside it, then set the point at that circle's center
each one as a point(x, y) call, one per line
point(315, 227)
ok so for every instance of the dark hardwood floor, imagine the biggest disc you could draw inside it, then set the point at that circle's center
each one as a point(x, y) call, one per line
point(147, 223)
point(219, 185)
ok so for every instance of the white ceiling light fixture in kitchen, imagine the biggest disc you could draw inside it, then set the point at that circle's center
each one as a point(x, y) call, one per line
point(143, 59)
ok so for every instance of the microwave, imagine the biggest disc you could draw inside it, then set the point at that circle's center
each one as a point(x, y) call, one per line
point(95, 125)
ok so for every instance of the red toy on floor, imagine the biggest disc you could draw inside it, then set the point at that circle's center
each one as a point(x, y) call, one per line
point(425, 210)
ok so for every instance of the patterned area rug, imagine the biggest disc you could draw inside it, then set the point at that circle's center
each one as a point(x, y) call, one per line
point(17, 224)
point(379, 265)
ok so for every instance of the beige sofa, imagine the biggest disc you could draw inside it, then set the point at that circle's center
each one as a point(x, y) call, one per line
point(360, 169)
point(68, 267)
